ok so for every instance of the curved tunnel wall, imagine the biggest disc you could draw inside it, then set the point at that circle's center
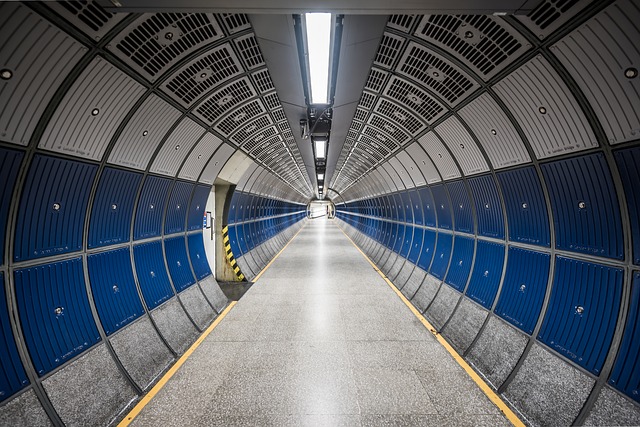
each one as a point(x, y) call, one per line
point(105, 179)
point(512, 223)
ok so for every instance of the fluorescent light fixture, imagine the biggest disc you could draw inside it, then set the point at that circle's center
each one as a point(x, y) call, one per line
point(321, 148)
point(320, 176)
point(318, 46)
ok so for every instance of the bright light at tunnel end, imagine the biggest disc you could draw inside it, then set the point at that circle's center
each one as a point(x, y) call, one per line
point(318, 27)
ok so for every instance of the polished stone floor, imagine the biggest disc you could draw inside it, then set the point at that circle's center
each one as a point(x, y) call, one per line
point(320, 340)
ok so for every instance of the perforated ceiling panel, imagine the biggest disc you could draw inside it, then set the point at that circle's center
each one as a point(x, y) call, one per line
point(402, 172)
point(91, 111)
point(238, 117)
point(88, 16)
point(414, 98)
point(142, 134)
point(224, 100)
point(199, 157)
point(424, 163)
point(202, 74)
point(176, 147)
point(599, 54)
point(496, 133)
point(546, 110)
point(39, 56)
point(217, 162)
point(462, 146)
point(400, 116)
point(388, 50)
point(402, 23)
point(235, 22)
point(549, 15)
point(155, 42)
point(433, 71)
point(486, 44)
point(440, 156)
point(249, 51)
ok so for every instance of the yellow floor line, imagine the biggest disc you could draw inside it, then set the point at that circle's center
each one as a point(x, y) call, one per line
point(487, 390)
point(147, 398)
point(255, 279)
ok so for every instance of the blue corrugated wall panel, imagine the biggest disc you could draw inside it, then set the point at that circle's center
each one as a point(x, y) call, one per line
point(408, 207)
point(442, 206)
point(487, 272)
point(460, 262)
point(416, 207)
point(406, 245)
point(583, 311)
point(54, 313)
point(416, 245)
point(178, 262)
point(198, 256)
point(152, 273)
point(112, 207)
point(585, 206)
point(626, 371)
point(9, 165)
point(53, 206)
point(428, 206)
point(233, 208)
point(526, 208)
point(397, 245)
point(524, 286)
point(428, 249)
point(177, 207)
point(154, 195)
point(462, 206)
point(442, 255)
point(197, 207)
point(239, 243)
point(12, 375)
point(114, 289)
point(629, 166)
point(488, 206)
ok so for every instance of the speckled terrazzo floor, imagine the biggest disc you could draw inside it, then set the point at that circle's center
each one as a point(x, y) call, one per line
point(320, 340)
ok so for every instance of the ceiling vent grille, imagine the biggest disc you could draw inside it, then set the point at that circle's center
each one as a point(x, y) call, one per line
point(388, 51)
point(88, 16)
point(366, 100)
point(272, 101)
point(154, 42)
point(255, 126)
point(225, 100)
point(249, 51)
point(376, 79)
point(257, 139)
point(387, 127)
point(373, 137)
point(239, 117)
point(482, 42)
point(401, 22)
point(263, 81)
point(355, 126)
point(203, 74)
point(549, 15)
point(436, 73)
point(279, 116)
point(360, 115)
point(235, 22)
point(414, 98)
point(400, 116)
point(352, 134)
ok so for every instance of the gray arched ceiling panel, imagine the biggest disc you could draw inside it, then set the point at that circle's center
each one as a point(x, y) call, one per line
point(389, 49)
point(251, 169)
point(400, 116)
point(224, 100)
point(549, 15)
point(262, 125)
point(176, 147)
point(199, 157)
point(216, 164)
point(412, 168)
point(91, 111)
point(414, 98)
point(402, 172)
point(202, 74)
point(393, 176)
point(39, 56)
point(238, 117)
point(462, 146)
point(546, 110)
point(438, 74)
point(234, 22)
point(155, 42)
point(424, 163)
point(402, 23)
point(496, 133)
point(249, 50)
point(143, 133)
point(598, 54)
point(88, 16)
point(486, 44)
point(440, 156)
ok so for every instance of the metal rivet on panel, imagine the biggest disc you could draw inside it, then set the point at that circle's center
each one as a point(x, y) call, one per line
point(486, 205)
point(441, 256)
point(6, 74)
point(151, 207)
point(542, 110)
point(177, 147)
point(579, 309)
point(494, 132)
point(630, 73)
point(461, 205)
point(462, 146)
point(177, 206)
point(522, 287)
point(114, 207)
point(199, 156)
point(59, 311)
point(441, 206)
point(582, 205)
point(178, 262)
point(525, 205)
point(116, 289)
point(460, 263)
point(56, 206)
point(152, 273)
point(95, 112)
point(145, 133)
point(486, 273)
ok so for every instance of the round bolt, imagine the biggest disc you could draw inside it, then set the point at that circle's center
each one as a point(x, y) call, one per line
point(486, 273)
point(462, 146)
point(542, 110)
point(168, 36)
point(58, 311)
point(152, 273)
point(203, 75)
point(151, 207)
point(56, 206)
point(460, 263)
point(630, 73)
point(6, 74)
point(525, 205)
point(95, 112)
point(522, 288)
point(579, 309)
point(145, 133)
point(179, 265)
point(494, 132)
point(115, 288)
point(582, 205)
point(114, 207)
point(468, 35)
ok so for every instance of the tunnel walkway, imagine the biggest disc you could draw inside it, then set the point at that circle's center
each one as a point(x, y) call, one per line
point(320, 339)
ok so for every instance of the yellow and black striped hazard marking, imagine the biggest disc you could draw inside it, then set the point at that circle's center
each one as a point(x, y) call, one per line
point(227, 249)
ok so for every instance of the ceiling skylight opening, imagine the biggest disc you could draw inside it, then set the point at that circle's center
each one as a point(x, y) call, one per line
point(321, 148)
point(318, 26)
